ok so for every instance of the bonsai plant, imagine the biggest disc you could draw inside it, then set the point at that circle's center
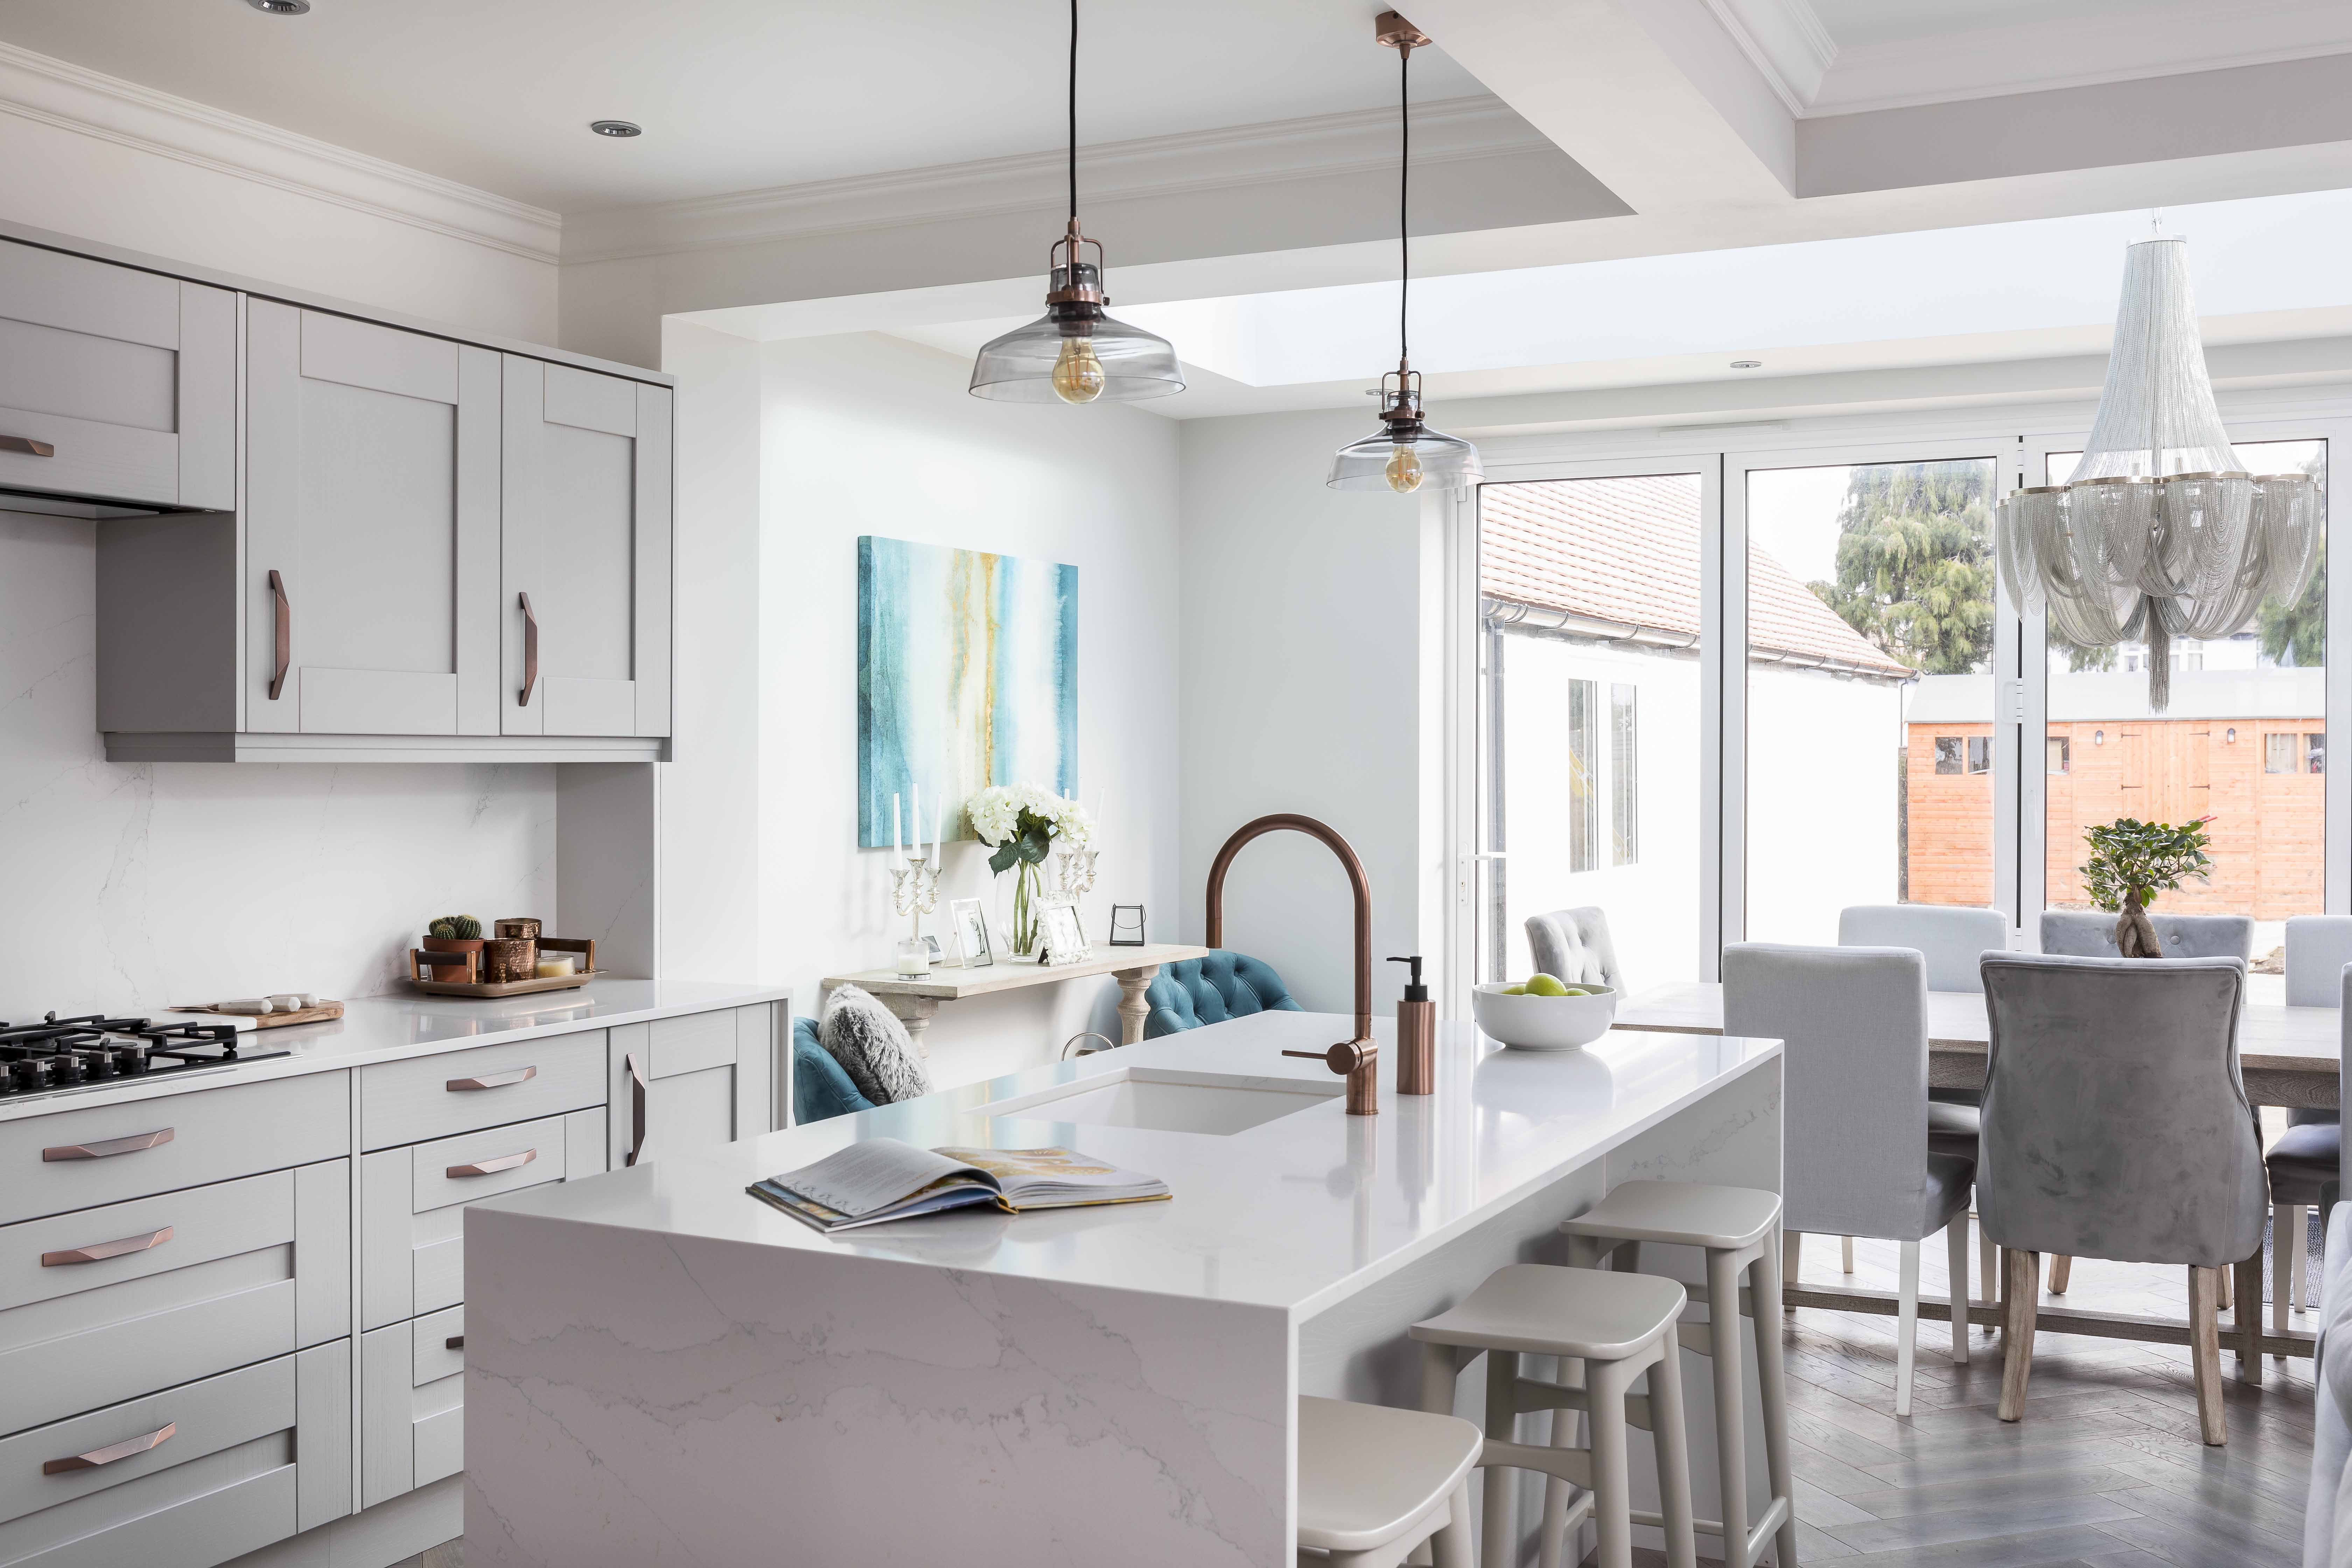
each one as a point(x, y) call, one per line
point(2131, 862)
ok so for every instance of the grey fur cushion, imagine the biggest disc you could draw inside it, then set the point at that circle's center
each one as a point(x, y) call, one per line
point(872, 1047)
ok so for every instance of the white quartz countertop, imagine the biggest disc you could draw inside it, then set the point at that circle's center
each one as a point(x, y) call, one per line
point(390, 1029)
point(1296, 1213)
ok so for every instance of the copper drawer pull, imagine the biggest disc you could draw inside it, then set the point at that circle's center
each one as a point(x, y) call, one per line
point(28, 445)
point(285, 635)
point(492, 1079)
point(454, 1342)
point(530, 652)
point(492, 1167)
point(96, 1251)
point(108, 1147)
point(112, 1451)
point(636, 1107)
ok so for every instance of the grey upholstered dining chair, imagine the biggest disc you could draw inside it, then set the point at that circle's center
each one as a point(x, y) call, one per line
point(2116, 1125)
point(1950, 937)
point(2308, 1158)
point(1573, 945)
point(2317, 949)
point(2091, 934)
point(1856, 1159)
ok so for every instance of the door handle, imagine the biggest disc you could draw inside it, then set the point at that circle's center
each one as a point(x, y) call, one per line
point(285, 633)
point(492, 1167)
point(492, 1079)
point(454, 1342)
point(112, 1451)
point(98, 1251)
point(109, 1147)
point(636, 1109)
point(28, 445)
point(530, 652)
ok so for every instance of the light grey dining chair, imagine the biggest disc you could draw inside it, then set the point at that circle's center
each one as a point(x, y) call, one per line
point(2308, 1158)
point(2116, 1125)
point(1856, 1159)
point(1950, 937)
point(1573, 945)
point(2091, 934)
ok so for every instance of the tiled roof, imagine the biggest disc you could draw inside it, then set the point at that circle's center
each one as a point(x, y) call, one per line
point(1626, 550)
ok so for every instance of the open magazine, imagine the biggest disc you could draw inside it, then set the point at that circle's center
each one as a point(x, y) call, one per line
point(884, 1179)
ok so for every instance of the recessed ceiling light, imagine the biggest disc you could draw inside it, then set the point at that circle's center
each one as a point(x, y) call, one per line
point(1748, 364)
point(281, 7)
point(605, 127)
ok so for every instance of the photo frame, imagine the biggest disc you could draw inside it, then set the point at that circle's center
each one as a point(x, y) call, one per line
point(967, 934)
point(1063, 937)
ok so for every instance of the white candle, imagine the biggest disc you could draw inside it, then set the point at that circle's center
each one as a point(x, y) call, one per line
point(897, 843)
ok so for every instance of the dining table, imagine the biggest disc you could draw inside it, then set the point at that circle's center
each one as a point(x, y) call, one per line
point(2286, 1056)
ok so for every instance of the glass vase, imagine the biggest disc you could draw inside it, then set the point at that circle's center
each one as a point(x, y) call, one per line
point(1017, 891)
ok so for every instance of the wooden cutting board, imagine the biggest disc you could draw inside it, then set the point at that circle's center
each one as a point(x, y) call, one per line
point(317, 1014)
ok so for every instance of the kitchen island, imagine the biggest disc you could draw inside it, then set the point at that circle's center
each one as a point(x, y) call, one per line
point(663, 1369)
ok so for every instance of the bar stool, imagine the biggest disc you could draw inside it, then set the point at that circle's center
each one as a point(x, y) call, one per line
point(1374, 1483)
point(1620, 1327)
point(1733, 1227)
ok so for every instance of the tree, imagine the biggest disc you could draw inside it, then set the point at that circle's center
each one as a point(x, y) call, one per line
point(2296, 634)
point(1915, 568)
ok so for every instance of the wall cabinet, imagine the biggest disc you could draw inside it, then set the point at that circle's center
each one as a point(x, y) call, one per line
point(116, 385)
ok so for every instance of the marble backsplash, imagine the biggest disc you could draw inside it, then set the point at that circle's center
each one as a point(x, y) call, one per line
point(128, 887)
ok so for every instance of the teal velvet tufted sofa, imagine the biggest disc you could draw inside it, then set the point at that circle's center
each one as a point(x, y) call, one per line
point(821, 1090)
point(1192, 992)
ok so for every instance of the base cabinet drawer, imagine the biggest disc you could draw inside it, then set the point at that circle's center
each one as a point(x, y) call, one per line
point(191, 1477)
point(412, 1409)
point(434, 1096)
point(413, 1204)
point(79, 1159)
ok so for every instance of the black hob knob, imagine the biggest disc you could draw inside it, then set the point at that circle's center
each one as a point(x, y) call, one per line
point(129, 1059)
point(28, 1076)
point(65, 1069)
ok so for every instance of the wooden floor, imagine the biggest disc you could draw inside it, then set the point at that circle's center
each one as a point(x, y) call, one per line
point(2105, 1470)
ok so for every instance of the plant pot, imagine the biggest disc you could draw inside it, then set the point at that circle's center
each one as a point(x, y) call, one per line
point(506, 958)
point(460, 945)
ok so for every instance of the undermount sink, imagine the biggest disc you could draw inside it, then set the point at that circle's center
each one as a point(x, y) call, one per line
point(1166, 1101)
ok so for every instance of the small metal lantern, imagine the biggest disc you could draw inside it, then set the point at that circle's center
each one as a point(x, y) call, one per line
point(1125, 926)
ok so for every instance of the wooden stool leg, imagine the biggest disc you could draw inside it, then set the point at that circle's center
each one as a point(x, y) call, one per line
point(1500, 1522)
point(2022, 1273)
point(1612, 1483)
point(2247, 1318)
point(1551, 1540)
point(2205, 1352)
point(1772, 1384)
point(1440, 1365)
point(1673, 1444)
point(1723, 1273)
point(1453, 1544)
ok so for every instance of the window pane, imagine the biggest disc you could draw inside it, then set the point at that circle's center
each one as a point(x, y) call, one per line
point(2241, 741)
point(1587, 587)
point(2059, 752)
point(1870, 626)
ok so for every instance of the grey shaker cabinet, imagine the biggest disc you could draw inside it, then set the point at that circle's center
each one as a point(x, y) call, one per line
point(691, 1082)
point(116, 385)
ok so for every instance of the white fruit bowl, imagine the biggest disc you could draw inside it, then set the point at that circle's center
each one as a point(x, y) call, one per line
point(1544, 1022)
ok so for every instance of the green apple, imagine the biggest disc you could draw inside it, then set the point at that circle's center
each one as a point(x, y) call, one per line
point(1541, 985)
point(1515, 990)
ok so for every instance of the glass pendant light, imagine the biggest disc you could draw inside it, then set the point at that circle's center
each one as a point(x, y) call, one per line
point(1404, 454)
point(1074, 352)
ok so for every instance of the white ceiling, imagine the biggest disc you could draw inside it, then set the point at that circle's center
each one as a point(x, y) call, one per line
point(1855, 22)
point(733, 94)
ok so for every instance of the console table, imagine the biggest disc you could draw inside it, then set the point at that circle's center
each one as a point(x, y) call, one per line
point(915, 997)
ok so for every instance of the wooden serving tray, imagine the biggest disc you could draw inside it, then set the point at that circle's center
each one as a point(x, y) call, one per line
point(317, 1014)
point(420, 961)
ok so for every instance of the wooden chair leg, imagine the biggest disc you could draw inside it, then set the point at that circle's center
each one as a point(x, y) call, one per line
point(2299, 1252)
point(1989, 1259)
point(1956, 1263)
point(1792, 1249)
point(2022, 1273)
point(2282, 1286)
point(2223, 1300)
point(2246, 1320)
point(2061, 1271)
point(2205, 1352)
point(1453, 1544)
point(1845, 1253)
point(1906, 1326)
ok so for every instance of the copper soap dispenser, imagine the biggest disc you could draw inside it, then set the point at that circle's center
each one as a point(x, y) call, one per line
point(1416, 1034)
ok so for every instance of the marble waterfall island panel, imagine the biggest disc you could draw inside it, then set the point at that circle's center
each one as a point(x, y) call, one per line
point(967, 677)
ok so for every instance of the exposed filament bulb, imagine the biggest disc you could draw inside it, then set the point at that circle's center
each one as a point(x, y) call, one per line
point(1403, 472)
point(1078, 372)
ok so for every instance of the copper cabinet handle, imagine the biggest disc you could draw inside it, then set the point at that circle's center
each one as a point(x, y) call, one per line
point(492, 1167)
point(112, 1451)
point(454, 1342)
point(492, 1079)
point(285, 633)
point(99, 1250)
point(28, 445)
point(636, 1109)
point(530, 652)
point(109, 1147)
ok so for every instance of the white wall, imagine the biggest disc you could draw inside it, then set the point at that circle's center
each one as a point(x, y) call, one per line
point(1823, 759)
point(872, 435)
point(133, 886)
point(1302, 692)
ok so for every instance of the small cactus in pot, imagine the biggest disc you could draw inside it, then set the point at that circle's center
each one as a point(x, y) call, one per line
point(458, 935)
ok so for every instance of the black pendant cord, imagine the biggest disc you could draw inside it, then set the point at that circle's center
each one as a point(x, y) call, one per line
point(1074, 125)
point(1404, 191)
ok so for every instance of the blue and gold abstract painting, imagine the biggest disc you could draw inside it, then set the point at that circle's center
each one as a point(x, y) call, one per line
point(967, 677)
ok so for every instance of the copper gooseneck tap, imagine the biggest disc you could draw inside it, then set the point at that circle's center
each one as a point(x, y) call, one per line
point(1357, 1058)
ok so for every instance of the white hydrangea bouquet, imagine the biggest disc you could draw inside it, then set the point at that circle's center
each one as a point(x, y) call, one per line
point(1021, 824)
